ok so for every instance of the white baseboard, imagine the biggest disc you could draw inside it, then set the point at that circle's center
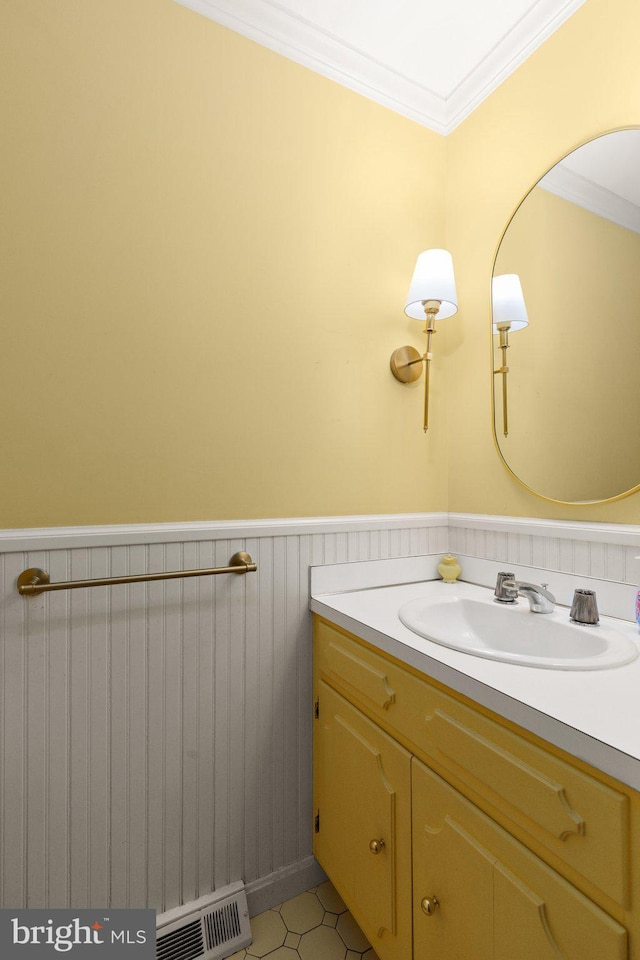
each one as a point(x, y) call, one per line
point(283, 884)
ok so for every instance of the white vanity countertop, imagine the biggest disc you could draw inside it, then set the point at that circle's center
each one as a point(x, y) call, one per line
point(592, 714)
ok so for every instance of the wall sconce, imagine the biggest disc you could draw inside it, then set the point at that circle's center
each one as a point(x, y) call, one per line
point(509, 314)
point(432, 296)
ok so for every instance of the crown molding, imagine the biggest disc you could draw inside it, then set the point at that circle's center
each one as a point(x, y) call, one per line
point(504, 59)
point(591, 196)
point(296, 38)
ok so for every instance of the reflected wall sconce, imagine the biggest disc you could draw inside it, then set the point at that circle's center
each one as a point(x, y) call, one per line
point(432, 296)
point(509, 315)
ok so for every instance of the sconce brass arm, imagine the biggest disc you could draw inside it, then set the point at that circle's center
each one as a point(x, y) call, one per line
point(430, 312)
point(404, 360)
point(504, 370)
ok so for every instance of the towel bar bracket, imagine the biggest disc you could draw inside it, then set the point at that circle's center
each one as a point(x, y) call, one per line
point(33, 582)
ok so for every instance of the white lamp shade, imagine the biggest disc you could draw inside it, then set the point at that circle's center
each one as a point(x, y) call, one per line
point(432, 280)
point(508, 302)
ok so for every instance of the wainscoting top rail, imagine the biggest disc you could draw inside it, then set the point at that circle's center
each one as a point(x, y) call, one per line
point(34, 581)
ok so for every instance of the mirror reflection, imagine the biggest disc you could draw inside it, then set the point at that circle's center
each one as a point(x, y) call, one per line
point(566, 327)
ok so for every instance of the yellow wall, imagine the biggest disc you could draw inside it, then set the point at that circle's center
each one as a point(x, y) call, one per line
point(574, 403)
point(205, 250)
point(583, 81)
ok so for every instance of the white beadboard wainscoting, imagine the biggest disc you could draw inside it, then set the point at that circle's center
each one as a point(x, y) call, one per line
point(155, 740)
point(563, 554)
point(602, 551)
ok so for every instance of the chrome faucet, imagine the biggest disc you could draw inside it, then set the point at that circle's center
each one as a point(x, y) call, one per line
point(508, 589)
point(540, 599)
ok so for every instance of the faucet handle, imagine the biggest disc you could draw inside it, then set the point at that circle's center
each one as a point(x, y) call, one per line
point(506, 590)
point(584, 608)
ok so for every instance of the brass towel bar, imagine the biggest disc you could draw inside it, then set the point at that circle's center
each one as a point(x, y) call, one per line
point(33, 581)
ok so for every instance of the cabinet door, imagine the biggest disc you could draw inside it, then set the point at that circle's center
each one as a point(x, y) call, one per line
point(363, 797)
point(496, 900)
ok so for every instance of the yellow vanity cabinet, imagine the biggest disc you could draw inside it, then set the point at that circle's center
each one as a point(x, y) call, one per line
point(363, 823)
point(506, 848)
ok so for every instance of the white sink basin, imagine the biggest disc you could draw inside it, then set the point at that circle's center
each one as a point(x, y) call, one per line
point(466, 618)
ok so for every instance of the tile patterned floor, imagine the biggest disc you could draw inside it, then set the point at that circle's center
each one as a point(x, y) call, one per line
point(315, 925)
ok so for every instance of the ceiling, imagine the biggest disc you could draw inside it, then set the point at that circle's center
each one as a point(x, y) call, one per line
point(433, 62)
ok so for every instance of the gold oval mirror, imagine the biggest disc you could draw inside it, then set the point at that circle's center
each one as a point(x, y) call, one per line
point(566, 327)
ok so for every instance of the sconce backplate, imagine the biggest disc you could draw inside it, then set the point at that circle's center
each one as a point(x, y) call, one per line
point(404, 364)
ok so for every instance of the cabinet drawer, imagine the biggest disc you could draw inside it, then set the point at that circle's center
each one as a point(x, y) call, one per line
point(364, 673)
point(574, 815)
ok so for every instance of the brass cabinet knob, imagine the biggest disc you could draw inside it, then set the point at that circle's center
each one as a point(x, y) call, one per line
point(429, 905)
point(376, 846)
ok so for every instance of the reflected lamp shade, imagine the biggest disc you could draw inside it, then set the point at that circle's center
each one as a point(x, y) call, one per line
point(432, 280)
point(508, 304)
